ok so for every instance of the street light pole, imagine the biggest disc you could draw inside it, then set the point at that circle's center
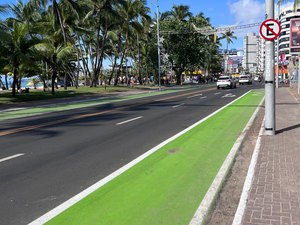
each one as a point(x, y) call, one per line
point(277, 66)
point(269, 78)
point(158, 44)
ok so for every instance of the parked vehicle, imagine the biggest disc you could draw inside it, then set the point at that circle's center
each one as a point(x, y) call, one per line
point(226, 81)
point(245, 79)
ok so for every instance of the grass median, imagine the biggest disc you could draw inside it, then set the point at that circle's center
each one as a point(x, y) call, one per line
point(37, 110)
point(168, 186)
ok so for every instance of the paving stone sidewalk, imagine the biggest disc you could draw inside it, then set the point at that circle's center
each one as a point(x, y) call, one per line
point(275, 193)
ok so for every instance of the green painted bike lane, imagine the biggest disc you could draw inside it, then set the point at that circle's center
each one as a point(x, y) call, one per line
point(168, 186)
point(38, 110)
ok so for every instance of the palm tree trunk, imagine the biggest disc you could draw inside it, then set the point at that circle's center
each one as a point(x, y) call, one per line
point(6, 82)
point(14, 81)
point(54, 74)
point(113, 70)
point(120, 67)
point(65, 81)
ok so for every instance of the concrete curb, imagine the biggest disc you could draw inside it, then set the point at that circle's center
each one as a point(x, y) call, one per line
point(203, 210)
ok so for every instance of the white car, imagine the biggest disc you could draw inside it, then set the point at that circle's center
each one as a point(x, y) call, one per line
point(226, 81)
point(257, 78)
point(245, 79)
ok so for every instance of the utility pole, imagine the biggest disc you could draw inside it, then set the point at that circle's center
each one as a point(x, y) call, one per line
point(277, 48)
point(269, 78)
point(158, 44)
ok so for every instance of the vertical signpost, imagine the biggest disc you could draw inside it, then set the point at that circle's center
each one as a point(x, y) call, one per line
point(270, 29)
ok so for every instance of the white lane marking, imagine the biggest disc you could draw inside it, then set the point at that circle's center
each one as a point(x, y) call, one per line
point(203, 97)
point(175, 106)
point(230, 95)
point(127, 121)
point(72, 201)
point(193, 96)
point(248, 181)
point(217, 93)
point(13, 109)
point(11, 157)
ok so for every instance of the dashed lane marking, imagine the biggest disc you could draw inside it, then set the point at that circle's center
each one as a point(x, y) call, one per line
point(230, 95)
point(193, 96)
point(176, 106)
point(128, 121)
point(11, 157)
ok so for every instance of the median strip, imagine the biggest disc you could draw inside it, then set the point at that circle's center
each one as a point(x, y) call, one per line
point(166, 184)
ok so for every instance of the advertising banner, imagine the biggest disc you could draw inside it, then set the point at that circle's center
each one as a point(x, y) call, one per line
point(295, 35)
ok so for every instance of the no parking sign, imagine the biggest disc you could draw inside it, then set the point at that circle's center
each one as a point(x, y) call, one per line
point(270, 29)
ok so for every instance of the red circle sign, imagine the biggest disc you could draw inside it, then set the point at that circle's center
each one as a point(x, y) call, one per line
point(270, 29)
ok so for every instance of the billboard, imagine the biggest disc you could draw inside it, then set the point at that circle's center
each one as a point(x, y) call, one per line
point(295, 35)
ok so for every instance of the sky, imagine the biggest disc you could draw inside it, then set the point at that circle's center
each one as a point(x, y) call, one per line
point(221, 13)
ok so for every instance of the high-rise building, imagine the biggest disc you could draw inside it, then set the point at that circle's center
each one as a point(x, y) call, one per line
point(250, 59)
point(261, 43)
point(286, 14)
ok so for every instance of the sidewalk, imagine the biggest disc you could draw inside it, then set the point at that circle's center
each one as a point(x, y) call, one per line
point(274, 197)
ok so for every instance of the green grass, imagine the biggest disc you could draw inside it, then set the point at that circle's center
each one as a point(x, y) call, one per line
point(33, 95)
point(167, 187)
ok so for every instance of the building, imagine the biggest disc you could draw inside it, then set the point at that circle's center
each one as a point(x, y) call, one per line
point(286, 14)
point(285, 53)
point(235, 63)
point(232, 60)
point(261, 56)
point(250, 59)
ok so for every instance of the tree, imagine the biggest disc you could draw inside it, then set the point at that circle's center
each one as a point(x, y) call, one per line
point(180, 12)
point(17, 46)
point(187, 51)
point(228, 36)
point(130, 12)
point(52, 49)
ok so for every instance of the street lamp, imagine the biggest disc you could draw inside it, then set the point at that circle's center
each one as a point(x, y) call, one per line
point(158, 44)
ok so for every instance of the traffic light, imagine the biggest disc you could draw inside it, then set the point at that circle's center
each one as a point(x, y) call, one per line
point(213, 37)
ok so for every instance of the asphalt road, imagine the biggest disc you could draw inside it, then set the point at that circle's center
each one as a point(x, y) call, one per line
point(47, 159)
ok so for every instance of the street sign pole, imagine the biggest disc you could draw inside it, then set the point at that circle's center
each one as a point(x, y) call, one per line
point(269, 78)
point(299, 74)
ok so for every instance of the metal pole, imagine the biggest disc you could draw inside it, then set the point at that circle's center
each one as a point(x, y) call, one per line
point(299, 74)
point(269, 78)
point(158, 44)
point(277, 66)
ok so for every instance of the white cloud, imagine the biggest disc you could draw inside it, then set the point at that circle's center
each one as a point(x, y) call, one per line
point(247, 11)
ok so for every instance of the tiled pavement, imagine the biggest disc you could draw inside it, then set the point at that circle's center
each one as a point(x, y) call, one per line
point(275, 193)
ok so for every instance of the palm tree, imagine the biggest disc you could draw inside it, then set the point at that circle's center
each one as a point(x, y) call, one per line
point(16, 39)
point(180, 12)
point(53, 50)
point(130, 13)
point(228, 36)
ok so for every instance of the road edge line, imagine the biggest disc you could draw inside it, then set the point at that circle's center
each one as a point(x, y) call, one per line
point(75, 199)
point(203, 210)
point(239, 214)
